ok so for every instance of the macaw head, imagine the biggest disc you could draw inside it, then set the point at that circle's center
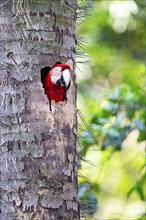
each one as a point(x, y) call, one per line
point(60, 75)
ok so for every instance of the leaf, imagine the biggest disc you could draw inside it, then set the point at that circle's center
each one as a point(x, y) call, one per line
point(92, 203)
point(130, 113)
point(139, 124)
point(140, 192)
point(87, 137)
point(131, 190)
point(142, 135)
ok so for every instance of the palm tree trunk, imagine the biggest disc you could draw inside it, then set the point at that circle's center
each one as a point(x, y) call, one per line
point(38, 161)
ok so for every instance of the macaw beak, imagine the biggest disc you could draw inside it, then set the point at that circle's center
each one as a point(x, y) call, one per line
point(64, 79)
point(58, 82)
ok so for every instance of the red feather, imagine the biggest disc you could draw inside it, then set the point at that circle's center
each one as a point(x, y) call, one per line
point(63, 66)
point(53, 91)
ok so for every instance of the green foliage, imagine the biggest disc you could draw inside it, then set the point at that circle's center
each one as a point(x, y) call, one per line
point(111, 97)
point(87, 198)
point(139, 186)
point(121, 111)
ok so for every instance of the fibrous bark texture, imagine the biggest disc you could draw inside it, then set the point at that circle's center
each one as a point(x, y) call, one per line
point(38, 162)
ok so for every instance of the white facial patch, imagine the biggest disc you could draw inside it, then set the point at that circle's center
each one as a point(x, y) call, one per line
point(55, 78)
point(55, 74)
point(56, 71)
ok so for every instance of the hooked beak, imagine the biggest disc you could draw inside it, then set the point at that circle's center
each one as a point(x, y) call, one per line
point(60, 81)
point(64, 79)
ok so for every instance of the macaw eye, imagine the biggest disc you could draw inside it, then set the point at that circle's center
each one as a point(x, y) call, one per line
point(56, 71)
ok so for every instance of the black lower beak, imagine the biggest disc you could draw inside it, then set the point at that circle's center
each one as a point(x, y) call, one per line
point(61, 82)
point(58, 83)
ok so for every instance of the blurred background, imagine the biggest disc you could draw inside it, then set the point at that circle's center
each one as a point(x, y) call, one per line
point(111, 55)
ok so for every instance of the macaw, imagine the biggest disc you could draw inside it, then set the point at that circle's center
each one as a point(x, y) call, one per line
point(56, 81)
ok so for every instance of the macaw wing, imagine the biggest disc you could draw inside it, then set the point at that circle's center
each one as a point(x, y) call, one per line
point(44, 71)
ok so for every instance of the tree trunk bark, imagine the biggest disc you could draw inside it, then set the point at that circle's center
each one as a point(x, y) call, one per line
point(38, 160)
